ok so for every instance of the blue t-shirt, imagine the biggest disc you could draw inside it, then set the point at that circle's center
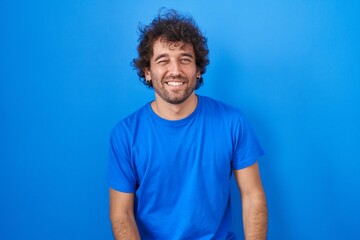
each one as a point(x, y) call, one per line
point(180, 170)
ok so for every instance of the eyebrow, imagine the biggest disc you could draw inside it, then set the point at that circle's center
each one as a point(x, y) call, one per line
point(187, 55)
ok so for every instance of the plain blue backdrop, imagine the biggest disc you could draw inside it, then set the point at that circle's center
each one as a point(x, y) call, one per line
point(292, 66)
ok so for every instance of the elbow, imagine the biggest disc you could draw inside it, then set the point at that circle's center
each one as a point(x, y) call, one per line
point(116, 217)
point(256, 198)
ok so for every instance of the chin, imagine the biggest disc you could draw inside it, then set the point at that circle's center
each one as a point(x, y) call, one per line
point(176, 101)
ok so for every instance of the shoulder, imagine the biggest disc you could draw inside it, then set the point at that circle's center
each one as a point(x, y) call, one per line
point(129, 124)
point(219, 108)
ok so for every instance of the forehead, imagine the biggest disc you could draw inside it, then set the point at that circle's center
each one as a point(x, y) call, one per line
point(162, 46)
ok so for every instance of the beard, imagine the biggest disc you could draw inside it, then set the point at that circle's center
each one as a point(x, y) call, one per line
point(175, 96)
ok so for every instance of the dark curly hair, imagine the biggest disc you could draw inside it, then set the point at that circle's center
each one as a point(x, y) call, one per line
point(172, 27)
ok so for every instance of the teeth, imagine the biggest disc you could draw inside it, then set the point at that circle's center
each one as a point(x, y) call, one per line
point(175, 84)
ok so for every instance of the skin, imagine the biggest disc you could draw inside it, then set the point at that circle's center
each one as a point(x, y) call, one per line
point(173, 73)
point(122, 216)
point(173, 62)
point(253, 202)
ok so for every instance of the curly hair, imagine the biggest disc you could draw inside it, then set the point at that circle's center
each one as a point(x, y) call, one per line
point(173, 27)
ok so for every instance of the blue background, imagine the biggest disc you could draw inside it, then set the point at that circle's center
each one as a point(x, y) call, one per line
point(65, 80)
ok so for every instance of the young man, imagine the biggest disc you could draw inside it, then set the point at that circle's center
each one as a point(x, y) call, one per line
point(171, 161)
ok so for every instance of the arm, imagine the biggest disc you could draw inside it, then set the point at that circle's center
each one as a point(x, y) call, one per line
point(122, 216)
point(253, 202)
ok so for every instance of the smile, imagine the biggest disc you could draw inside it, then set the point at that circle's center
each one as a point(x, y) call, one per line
point(174, 84)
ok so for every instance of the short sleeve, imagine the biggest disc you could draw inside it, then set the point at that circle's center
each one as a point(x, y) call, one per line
point(120, 173)
point(246, 147)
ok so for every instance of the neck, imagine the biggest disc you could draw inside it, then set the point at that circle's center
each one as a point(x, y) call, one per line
point(174, 111)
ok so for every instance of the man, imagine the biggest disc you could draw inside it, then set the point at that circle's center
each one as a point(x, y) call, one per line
point(171, 161)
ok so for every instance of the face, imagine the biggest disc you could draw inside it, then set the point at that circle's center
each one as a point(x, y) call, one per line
point(172, 71)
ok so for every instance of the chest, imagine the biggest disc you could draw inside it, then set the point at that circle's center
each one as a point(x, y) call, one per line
point(193, 149)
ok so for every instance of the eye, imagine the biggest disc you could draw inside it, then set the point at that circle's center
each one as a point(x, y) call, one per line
point(186, 60)
point(162, 61)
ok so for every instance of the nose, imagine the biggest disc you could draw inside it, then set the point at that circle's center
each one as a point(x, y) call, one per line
point(174, 68)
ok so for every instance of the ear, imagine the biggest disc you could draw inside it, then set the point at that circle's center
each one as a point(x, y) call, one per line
point(147, 74)
point(198, 74)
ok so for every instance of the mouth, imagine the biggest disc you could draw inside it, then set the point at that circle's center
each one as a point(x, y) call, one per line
point(174, 84)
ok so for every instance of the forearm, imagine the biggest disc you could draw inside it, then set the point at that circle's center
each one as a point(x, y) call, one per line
point(125, 228)
point(255, 216)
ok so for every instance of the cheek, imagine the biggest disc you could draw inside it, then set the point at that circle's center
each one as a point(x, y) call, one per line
point(193, 75)
point(156, 73)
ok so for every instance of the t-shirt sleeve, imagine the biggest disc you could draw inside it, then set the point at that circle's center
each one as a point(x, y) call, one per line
point(120, 173)
point(246, 147)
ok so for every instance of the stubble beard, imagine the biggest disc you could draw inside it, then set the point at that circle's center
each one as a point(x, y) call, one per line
point(175, 96)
